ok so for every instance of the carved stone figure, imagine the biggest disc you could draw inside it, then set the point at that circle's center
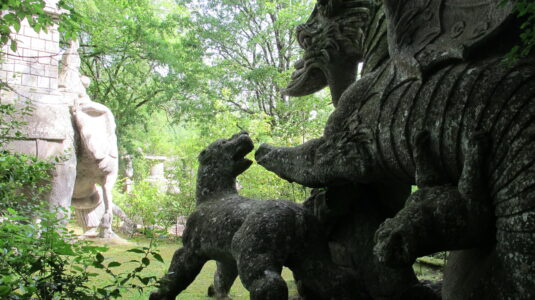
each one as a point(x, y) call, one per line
point(250, 238)
point(96, 151)
point(337, 36)
point(445, 76)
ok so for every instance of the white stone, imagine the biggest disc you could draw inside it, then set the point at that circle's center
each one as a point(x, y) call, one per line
point(52, 47)
point(29, 53)
point(29, 80)
point(54, 83)
point(22, 68)
point(51, 71)
point(8, 66)
point(44, 58)
point(55, 36)
point(23, 41)
point(14, 78)
point(43, 82)
point(38, 70)
point(38, 44)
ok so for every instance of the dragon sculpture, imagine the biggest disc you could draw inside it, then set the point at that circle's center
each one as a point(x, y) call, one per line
point(336, 37)
point(439, 108)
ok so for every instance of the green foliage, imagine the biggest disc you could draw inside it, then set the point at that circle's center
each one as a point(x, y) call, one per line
point(141, 58)
point(149, 207)
point(250, 46)
point(10, 118)
point(23, 181)
point(526, 11)
point(23, 178)
point(178, 76)
point(45, 261)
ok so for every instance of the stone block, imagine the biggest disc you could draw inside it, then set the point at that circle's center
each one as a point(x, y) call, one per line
point(44, 58)
point(29, 80)
point(28, 31)
point(55, 36)
point(43, 82)
point(54, 83)
point(14, 78)
point(45, 35)
point(52, 47)
point(29, 53)
point(38, 69)
point(13, 54)
point(22, 68)
point(38, 44)
point(23, 41)
point(51, 71)
point(8, 66)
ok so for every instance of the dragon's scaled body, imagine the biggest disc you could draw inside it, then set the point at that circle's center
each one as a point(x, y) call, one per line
point(443, 111)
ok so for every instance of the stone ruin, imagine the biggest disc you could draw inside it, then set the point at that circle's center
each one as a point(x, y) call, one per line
point(437, 107)
point(64, 123)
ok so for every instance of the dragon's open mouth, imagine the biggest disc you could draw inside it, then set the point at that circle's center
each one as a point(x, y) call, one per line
point(307, 79)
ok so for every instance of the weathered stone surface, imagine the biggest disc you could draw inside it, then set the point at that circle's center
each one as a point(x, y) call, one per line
point(445, 77)
point(85, 142)
point(96, 152)
point(252, 239)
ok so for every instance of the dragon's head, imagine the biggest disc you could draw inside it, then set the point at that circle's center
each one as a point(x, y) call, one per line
point(333, 43)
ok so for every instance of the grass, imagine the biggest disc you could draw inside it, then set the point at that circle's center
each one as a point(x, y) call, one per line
point(197, 290)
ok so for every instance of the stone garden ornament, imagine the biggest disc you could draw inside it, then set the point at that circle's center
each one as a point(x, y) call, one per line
point(438, 108)
point(96, 151)
point(250, 238)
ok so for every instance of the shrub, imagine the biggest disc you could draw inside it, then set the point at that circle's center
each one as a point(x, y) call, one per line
point(45, 261)
point(23, 181)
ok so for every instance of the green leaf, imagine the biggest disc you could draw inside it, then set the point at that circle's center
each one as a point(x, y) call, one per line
point(98, 265)
point(158, 257)
point(113, 264)
point(135, 250)
point(78, 268)
point(99, 257)
point(4, 290)
point(145, 280)
point(145, 261)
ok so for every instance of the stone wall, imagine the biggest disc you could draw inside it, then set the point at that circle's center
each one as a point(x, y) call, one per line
point(32, 70)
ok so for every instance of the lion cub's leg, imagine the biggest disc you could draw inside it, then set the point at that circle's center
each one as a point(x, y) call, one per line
point(261, 247)
point(224, 277)
point(439, 216)
point(185, 266)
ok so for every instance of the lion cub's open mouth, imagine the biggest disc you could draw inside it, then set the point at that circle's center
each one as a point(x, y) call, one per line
point(244, 146)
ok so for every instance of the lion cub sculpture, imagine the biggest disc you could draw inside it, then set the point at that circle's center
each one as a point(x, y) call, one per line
point(250, 238)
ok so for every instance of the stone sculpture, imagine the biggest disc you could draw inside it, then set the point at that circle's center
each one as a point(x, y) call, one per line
point(254, 239)
point(336, 37)
point(96, 151)
point(418, 117)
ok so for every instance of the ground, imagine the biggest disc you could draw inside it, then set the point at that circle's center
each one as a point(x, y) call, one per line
point(197, 290)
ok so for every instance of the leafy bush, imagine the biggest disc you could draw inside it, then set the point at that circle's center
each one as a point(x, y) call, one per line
point(23, 181)
point(147, 206)
point(45, 261)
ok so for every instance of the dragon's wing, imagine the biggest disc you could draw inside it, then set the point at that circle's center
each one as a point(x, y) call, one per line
point(96, 125)
point(424, 33)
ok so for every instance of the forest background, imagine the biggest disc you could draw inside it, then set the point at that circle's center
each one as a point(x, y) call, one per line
point(178, 75)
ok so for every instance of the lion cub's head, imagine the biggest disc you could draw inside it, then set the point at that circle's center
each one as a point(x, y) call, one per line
point(226, 157)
